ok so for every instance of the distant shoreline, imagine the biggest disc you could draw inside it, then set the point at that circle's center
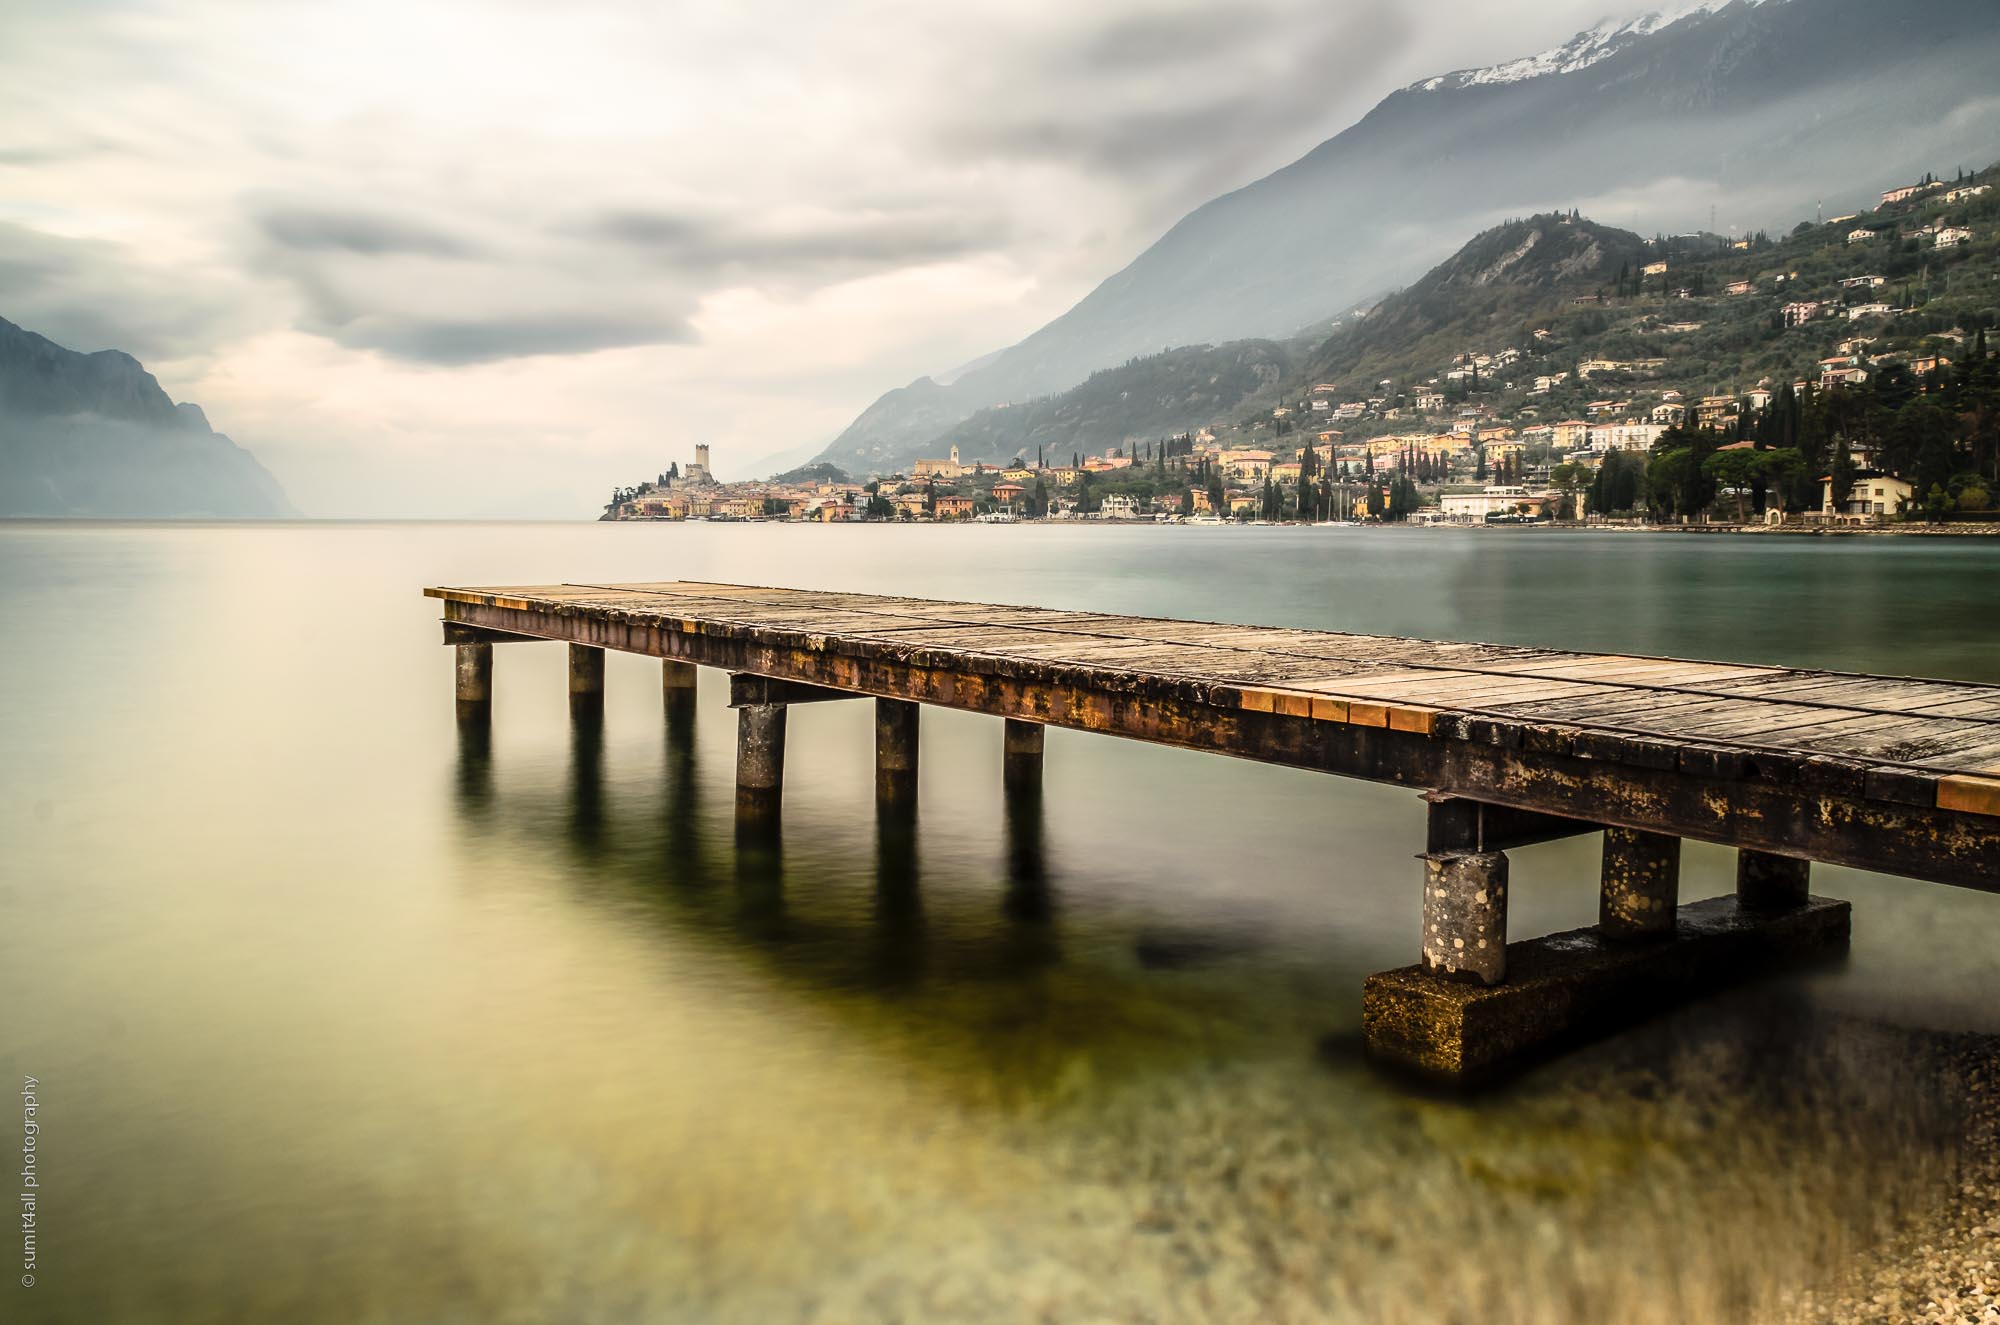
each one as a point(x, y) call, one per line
point(1948, 529)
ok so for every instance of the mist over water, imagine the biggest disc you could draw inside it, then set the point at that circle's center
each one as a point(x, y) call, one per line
point(341, 1014)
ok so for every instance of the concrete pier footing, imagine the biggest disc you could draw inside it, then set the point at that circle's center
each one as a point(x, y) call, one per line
point(1640, 885)
point(1465, 916)
point(896, 722)
point(760, 760)
point(1568, 987)
point(1772, 883)
point(475, 678)
point(1021, 765)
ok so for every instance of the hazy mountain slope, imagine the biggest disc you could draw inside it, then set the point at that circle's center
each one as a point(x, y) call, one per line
point(1140, 401)
point(94, 435)
point(1504, 282)
point(1759, 110)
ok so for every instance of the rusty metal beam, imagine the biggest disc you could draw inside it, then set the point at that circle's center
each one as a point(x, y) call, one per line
point(457, 632)
point(747, 688)
point(1453, 823)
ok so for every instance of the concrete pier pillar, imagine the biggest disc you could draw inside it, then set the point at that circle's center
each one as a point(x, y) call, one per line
point(1640, 884)
point(1022, 763)
point(760, 760)
point(475, 678)
point(1465, 916)
point(896, 723)
point(1765, 882)
point(586, 679)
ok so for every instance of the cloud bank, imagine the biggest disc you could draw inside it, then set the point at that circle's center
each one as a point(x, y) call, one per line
point(465, 259)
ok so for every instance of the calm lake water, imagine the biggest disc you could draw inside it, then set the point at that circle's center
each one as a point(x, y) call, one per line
point(338, 1019)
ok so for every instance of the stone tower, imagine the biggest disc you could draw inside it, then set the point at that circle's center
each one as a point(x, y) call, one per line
point(954, 455)
point(701, 458)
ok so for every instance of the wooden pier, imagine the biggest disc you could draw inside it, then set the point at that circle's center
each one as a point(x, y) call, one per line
point(1510, 744)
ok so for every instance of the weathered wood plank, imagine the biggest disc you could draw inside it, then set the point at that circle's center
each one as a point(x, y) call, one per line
point(1730, 736)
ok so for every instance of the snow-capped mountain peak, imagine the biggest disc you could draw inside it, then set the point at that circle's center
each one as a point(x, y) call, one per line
point(1581, 51)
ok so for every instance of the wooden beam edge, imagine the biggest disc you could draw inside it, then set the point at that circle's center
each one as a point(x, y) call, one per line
point(1969, 795)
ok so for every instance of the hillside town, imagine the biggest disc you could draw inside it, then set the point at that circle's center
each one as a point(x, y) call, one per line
point(1835, 377)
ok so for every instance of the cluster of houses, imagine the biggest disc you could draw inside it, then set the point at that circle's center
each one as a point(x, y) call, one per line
point(1939, 233)
point(692, 493)
point(1445, 429)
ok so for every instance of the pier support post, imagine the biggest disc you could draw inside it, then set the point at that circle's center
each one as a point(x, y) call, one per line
point(1022, 763)
point(677, 688)
point(896, 751)
point(1765, 882)
point(475, 679)
point(760, 760)
point(586, 679)
point(1640, 884)
point(1465, 916)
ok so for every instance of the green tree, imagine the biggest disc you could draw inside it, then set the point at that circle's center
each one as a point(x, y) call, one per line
point(1936, 503)
point(1840, 475)
point(1736, 471)
point(1617, 484)
point(1920, 443)
point(1783, 467)
point(1667, 479)
point(1570, 480)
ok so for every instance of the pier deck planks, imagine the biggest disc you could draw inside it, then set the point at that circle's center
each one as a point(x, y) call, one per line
point(1847, 756)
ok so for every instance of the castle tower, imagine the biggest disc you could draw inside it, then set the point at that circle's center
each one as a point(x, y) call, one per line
point(701, 457)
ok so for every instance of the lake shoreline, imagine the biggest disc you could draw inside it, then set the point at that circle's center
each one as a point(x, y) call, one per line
point(1941, 1267)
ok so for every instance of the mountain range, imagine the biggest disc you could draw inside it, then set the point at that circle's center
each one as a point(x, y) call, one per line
point(94, 435)
point(1744, 114)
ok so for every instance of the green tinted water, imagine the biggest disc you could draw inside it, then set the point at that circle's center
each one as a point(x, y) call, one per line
point(339, 1019)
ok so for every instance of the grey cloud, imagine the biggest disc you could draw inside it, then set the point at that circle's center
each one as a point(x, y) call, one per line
point(858, 240)
point(93, 295)
point(446, 342)
point(372, 234)
point(1180, 105)
point(402, 285)
point(1179, 38)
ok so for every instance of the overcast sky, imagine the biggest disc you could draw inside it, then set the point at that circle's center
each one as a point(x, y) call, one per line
point(491, 259)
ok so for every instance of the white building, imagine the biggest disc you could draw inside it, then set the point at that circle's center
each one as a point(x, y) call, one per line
point(1872, 496)
point(1624, 435)
point(1474, 507)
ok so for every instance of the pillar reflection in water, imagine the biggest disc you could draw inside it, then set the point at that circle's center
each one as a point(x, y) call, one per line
point(683, 842)
point(1029, 901)
point(760, 876)
point(586, 779)
point(474, 785)
point(899, 901)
